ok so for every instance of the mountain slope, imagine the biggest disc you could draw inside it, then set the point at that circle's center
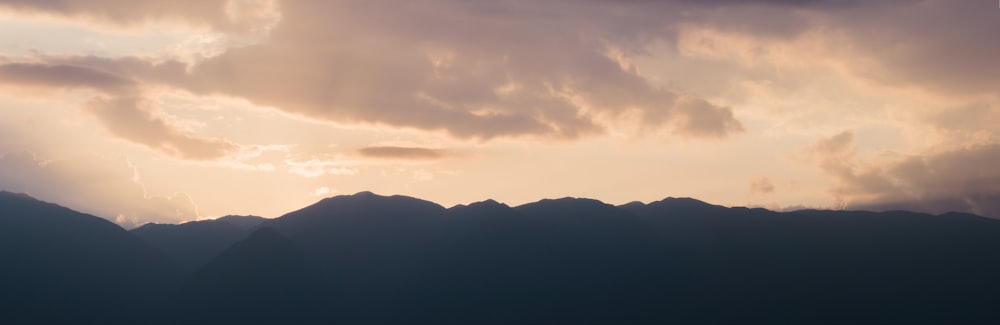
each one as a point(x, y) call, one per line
point(263, 278)
point(193, 244)
point(63, 266)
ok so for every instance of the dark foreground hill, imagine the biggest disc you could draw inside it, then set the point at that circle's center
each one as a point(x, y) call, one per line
point(193, 244)
point(59, 266)
point(373, 259)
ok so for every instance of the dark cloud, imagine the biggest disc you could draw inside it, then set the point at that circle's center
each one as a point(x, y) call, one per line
point(394, 152)
point(61, 75)
point(108, 188)
point(962, 178)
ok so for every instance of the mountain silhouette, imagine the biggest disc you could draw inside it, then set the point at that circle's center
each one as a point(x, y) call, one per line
point(263, 278)
point(245, 222)
point(377, 251)
point(835, 266)
point(367, 258)
point(193, 244)
point(61, 266)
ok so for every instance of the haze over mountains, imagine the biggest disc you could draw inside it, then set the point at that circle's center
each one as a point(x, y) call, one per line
point(367, 258)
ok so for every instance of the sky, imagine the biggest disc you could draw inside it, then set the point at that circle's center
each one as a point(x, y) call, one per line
point(171, 111)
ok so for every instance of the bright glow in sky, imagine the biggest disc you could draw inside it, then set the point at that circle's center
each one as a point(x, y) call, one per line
point(167, 111)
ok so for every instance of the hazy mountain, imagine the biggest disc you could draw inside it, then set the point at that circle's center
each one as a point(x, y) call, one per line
point(193, 244)
point(62, 266)
point(367, 258)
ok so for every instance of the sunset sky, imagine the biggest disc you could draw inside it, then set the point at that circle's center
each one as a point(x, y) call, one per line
point(168, 111)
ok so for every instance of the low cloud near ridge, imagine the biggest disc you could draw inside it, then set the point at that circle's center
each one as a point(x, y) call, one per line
point(962, 179)
point(108, 188)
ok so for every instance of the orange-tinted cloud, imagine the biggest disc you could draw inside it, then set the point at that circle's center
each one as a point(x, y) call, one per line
point(474, 70)
point(131, 118)
point(121, 108)
point(219, 14)
point(396, 152)
point(761, 186)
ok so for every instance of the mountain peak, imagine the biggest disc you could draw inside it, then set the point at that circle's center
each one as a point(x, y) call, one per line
point(17, 195)
point(567, 201)
point(369, 199)
point(632, 204)
point(366, 194)
point(487, 203)
point(683, 203)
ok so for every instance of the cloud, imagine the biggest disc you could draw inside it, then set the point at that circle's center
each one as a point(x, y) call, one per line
point(132, 119)
point(323, 191)
point(482, 70)
point(395, 152)
point(955, 178)
point(122, 108)
point(108, 188)
point(761, 186)
point(971, 118)
point(781, 3)
point(838, 146)
point(220, 14)
point(475, 70)
point(316, 167)
point(61, 75)
point(933, 44)
point(936, 45)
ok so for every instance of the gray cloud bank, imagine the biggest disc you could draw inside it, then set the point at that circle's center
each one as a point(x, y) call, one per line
point(958, 179)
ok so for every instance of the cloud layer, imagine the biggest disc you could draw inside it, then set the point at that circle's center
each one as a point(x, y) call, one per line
point(493, 69)
point(121, 107)
point(473, 70)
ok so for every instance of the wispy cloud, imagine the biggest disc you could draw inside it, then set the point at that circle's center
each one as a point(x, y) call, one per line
point(317, 167)
point(397, 152)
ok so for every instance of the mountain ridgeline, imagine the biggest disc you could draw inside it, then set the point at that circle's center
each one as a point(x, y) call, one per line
point(374, 259)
